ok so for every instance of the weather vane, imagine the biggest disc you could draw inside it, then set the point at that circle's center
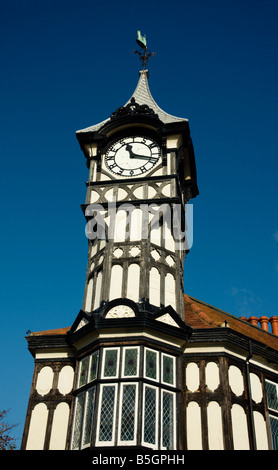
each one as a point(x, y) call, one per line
point(144, 53)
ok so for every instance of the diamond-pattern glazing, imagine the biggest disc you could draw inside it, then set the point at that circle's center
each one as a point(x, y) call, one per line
point(167, 420)
point(274, 432)
point(271, 393)
point(78, 415)
point(107, 413)
point(89, 411)
point(150, 416)
point(128, 412)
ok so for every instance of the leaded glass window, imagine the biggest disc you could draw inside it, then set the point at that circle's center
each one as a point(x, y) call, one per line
point(272, 403)
point(77, 425)
point(83, 371)
point(106, 421)
point(271, 394)
point(151, 366)
point(130, 362)
point(168, 369)
point(168, 420)
point(105, 393)
point(88, 418)
point(274, 431)
point(128, 417)
point(110, 366)
point(150, 413)
point(94, 366)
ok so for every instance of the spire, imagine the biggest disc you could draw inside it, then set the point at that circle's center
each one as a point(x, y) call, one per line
point(142, 94)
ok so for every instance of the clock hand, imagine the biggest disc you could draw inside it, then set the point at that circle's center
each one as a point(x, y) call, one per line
point(134, 155)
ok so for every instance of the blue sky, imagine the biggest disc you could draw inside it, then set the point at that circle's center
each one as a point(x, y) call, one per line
point(66, 65)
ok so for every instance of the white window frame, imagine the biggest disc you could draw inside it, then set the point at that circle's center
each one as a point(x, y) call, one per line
point(103, 363)
point(133, 442)
point(276, 385)
point(123, 361)
point(74, 422)
point(174, 420)
point(84, 416)
point(156, 379)
point(111, 442)
point(148, 444)
point(174, 369)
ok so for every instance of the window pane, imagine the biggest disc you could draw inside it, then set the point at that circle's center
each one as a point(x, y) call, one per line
point(151, 364)
point(130, 362)
point(150, 416)
point(128, 413)
point(88, 421)
point(110, 364)
point(83, 371)
point(107, 413)
point(274, 432)
point(168, 370)
point(168, 420)
point(271, 393)
point(78, 417)
point(94, 366)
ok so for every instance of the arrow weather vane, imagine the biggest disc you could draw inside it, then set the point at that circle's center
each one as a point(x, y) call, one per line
point(144, 53)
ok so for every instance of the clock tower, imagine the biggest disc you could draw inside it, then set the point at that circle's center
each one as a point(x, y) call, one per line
point(123, 348)
point(141, 176)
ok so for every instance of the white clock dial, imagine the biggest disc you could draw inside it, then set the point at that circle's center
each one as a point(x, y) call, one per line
point(132, 156)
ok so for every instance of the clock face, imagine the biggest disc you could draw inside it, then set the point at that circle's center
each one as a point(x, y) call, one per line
point(132, 156)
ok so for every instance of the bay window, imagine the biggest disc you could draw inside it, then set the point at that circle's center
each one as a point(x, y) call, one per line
point(117, 386)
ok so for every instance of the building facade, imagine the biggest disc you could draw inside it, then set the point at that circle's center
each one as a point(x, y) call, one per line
point(144, 365)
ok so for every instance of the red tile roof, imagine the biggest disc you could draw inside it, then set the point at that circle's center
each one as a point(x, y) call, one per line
point(57, 331)
point(198, 314)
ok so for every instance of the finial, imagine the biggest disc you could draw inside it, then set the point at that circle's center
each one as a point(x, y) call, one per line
point(144, 53)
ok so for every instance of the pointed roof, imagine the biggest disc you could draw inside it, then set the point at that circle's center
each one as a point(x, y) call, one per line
point(142, 96)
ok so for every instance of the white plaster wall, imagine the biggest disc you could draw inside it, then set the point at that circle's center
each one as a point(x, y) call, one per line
point(65, 380)
point(168, 238)
point(154, 286)
point(136, 224)
point(256, 388)
point(240, 430)
point(236, 380)
point(37, 427)
point(212, 376)
point(215, 428)
point(59, 427)
point(120, 226)
point(98, 290)
point(192, 377)
point(170, 291)
point(194, 427)
point(89, 294)
point(133, 282)
point(44, 380)
point(116, 282)
point(260, 431)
